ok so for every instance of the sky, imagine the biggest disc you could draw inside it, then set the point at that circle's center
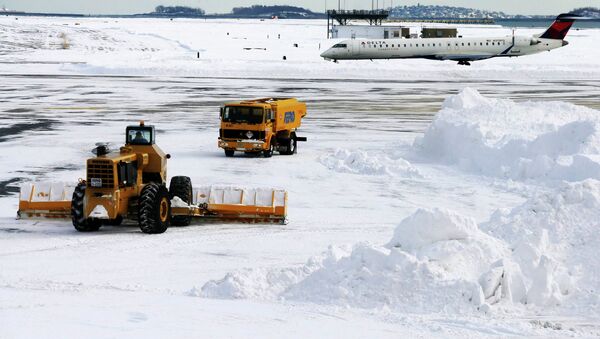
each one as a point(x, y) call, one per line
point(546, 7)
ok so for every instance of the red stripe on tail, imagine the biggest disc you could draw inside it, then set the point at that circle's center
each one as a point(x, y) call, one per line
point(560, 27)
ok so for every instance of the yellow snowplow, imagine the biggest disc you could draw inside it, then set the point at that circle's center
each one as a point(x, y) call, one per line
point(43, 199)
point(131, 184)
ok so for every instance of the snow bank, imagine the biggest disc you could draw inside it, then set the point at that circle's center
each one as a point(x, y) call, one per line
point(499, 137)
point(437, 270)
point(554, 236)
point(360, 162)
point(542, 253)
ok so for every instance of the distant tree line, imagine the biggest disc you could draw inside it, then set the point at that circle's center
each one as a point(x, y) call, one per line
point(588, 11)
point(178, 11)
point(257, 10)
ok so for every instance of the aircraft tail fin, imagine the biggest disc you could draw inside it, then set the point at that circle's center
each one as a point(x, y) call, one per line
point(560, 27)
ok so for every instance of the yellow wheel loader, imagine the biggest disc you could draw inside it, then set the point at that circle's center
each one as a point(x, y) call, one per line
point(131, 184)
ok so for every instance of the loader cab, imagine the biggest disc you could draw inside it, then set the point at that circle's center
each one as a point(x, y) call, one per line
point(139, 135)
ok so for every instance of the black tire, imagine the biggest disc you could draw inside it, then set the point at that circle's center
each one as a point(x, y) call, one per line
point(80, 222)
point(294, 146)
point(269, 153)
point(291, 146)
point(229, 153)
point(154, 214)
point(181, 187)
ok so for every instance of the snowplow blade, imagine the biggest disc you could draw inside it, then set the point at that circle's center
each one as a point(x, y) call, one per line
point(45, 200)
point(229, 203)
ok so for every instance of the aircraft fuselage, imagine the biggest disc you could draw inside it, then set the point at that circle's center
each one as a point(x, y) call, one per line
point(457, 49)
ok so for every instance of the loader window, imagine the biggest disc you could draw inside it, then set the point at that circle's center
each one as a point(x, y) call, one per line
point(241, 114)
point(127, 173)
point(139, 136)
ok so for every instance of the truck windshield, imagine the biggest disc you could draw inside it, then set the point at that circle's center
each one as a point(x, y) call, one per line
point(249, 115)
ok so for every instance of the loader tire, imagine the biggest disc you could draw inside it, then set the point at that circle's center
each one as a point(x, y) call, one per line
point(154, 214)
point(181, 187)
point(80, 222)
point(229, 153)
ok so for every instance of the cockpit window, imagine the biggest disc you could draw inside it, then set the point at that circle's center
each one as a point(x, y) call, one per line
point(340, 46)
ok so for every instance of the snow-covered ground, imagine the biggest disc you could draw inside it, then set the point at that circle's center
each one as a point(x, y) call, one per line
point(431, 200)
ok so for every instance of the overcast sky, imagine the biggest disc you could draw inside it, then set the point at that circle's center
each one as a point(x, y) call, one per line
point(223, 6)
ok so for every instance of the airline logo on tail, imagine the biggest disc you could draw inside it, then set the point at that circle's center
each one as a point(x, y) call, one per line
point(560, 27)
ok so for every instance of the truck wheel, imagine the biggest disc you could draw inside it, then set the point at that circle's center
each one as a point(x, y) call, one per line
point(291, 146)
point(154, 214)
point(269, 153)
point(80, 222)
point(181, 187)
point(229, 153)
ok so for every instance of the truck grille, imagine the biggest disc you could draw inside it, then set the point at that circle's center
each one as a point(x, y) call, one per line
point(240, 134)
point(103, 170)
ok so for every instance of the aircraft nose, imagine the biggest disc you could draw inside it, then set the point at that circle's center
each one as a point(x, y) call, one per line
point(328, 54)
point(565, 42)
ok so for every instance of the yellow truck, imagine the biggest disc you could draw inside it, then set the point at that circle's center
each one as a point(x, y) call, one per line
point(261, 126)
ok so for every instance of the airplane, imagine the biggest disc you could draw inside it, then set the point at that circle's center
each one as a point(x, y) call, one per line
point(463, 50)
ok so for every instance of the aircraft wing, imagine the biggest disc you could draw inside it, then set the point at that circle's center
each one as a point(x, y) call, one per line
point(463, 57)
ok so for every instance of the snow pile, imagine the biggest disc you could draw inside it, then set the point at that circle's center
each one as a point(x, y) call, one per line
point(360, 162)
point(434, 270)
point(431, 264)
point(263, 283)
point(554, 238)
point(541, 253)
point(499, 137)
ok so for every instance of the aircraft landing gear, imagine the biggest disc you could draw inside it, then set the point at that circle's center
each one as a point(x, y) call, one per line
point(464, 63)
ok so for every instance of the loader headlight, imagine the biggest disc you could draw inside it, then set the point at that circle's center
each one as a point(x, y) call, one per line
point(249, 134)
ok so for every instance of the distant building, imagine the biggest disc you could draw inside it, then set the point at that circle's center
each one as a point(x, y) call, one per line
point(369, 32)
point(439, 33)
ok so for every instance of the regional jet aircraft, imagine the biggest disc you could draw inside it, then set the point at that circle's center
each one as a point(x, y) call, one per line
point(463, 50)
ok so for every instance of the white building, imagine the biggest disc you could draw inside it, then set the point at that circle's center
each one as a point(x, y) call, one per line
point(369, 32)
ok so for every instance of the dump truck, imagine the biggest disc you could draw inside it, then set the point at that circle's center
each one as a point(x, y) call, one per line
point(131, 183)
point(261, 126)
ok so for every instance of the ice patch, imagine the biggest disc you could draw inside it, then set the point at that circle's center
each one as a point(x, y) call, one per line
point(360, 162)
point(499, 137)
